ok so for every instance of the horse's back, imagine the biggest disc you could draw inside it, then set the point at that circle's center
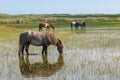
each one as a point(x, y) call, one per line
point(38, 38)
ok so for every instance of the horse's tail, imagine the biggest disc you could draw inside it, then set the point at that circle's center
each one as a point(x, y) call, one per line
point(20, 45)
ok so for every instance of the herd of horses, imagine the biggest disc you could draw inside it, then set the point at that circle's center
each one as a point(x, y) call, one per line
point(72, 24)
point(43, 39)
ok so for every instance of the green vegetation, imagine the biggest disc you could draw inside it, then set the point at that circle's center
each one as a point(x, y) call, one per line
point(59, 20)
point(91, 54)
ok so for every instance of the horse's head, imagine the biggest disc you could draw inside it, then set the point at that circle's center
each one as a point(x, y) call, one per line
point(52, 26)
point(60, 46)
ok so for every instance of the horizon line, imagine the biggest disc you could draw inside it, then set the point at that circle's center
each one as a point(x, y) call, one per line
point(62, 14)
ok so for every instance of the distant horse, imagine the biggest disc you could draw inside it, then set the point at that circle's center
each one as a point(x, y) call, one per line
point(43, 39)
point(46, 25)
point(77, 24)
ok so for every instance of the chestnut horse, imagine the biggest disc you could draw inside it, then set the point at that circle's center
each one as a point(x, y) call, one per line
point(43, 39)
point(46, 25)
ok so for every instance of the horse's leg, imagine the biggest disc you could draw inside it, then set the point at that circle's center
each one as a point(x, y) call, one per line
point(20, 49)
point(40, 28)
point(23, 49)
point(71, 26)
point(26, 49)
point(46, 29)
point(76, 27)
point(44, 50)
point(82, 27)
point(53, 29)
point(49, 29)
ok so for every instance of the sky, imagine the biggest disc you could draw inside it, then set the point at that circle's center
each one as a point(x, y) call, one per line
point(60, 6)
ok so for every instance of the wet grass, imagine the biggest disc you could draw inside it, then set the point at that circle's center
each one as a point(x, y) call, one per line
point(88, 55)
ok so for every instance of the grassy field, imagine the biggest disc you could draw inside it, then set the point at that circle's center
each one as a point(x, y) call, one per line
point(93, 54)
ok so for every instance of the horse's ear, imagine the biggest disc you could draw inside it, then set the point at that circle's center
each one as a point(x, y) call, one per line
point(59, 41)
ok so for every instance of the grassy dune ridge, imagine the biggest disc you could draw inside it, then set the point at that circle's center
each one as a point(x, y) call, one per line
point(59, 20)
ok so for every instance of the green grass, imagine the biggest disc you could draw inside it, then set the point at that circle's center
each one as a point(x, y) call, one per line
point(90, 24)
point(7, 32)
point(99, 24)
point(22, 26)
point(91, 54)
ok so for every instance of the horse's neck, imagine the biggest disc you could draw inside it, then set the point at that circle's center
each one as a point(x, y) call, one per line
point(53, 40)
point(52, 26)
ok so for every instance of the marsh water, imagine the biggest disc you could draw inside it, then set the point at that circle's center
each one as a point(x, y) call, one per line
point(89, 55)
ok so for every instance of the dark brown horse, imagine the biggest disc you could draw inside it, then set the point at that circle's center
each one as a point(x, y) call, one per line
point(39, 39)
point(46, 25)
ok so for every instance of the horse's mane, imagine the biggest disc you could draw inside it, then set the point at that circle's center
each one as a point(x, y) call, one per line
point(62, 43)
point(52, 38)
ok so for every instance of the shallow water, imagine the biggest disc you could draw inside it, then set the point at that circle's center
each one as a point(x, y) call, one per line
point(92, 55)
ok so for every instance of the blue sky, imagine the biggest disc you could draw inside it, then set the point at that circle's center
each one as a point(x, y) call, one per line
point(60, 6)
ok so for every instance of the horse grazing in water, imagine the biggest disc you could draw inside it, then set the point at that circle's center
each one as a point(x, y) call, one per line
point(77, 24)
point(46, 25)
point(43, 39)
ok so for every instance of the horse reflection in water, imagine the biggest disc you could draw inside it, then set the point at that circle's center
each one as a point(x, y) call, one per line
point(44, 69)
